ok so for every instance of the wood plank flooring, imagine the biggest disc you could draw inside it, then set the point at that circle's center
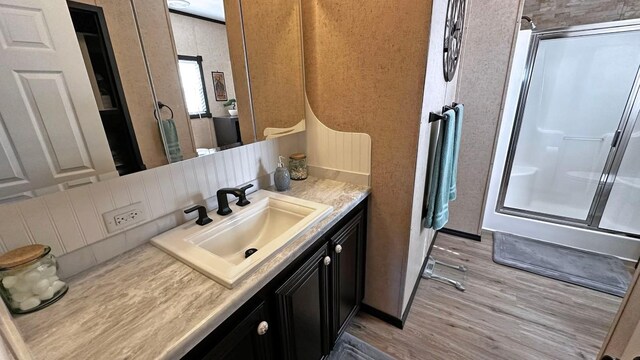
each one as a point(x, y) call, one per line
point(505, 313)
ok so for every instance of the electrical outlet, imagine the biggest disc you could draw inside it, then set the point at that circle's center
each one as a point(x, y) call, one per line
point(124, 217)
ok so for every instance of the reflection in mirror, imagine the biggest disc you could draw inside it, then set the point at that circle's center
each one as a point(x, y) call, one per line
point(273, 42)
point(207, 78)
point(108, 88)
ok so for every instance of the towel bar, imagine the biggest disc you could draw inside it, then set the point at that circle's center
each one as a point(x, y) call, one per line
point(433, 117)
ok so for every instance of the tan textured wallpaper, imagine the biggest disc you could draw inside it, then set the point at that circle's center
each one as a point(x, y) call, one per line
point(482, 78)
point(159, 46)
point(274, 53)
point(135, 83)
point(548, 14)
point(364, 72)
point(239, 69)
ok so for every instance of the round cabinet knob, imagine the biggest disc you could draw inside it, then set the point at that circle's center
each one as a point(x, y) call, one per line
point(338, 249)
point(263, 327)
point(327, 260)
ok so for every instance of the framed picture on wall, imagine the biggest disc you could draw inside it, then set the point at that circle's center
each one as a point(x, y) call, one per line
point(219, 86)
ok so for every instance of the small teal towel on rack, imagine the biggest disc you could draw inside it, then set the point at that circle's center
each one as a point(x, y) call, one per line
point(440, 183)
point(459, 109)
point(171, 140)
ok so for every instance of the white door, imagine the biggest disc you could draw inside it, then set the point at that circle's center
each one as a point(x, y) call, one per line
point(623, 340)
point(632, 351)
point(51, 135)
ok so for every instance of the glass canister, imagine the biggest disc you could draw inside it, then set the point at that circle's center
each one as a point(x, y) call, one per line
point(298, 166)
point(29, 279)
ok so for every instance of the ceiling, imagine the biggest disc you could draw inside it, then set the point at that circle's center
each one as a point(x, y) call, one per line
point(212, 9)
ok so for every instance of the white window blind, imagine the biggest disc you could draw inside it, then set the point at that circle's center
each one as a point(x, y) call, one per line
point(194, 90)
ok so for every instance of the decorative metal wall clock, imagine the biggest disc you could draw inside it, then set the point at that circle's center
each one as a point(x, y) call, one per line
point(453, 27)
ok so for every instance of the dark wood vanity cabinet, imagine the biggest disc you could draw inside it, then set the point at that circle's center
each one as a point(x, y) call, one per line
point(303, 309)
point(307, 306)
point(347, 272)
point(245, 335)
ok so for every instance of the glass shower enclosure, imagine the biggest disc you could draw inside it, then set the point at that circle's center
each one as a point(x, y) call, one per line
point(574, 153)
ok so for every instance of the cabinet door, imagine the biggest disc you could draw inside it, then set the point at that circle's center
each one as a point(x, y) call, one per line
point(303, 309)
point(347, 272)
point(249, 340)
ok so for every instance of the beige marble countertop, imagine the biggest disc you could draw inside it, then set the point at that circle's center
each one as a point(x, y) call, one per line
point(144, 304)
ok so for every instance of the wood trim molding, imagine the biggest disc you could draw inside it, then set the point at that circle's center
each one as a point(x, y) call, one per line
point(390, 319)
point(461, 234)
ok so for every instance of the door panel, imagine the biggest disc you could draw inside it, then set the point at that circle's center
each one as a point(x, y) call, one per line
point(347, 272)
point(243, 342)
point(50, 128)
point(623, 338)
point(303, 306)
point(622, 210)
point(577, 99)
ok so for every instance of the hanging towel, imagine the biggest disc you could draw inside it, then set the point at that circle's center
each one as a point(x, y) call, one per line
point(440, 183)
point(459, 109)
point(171, 139)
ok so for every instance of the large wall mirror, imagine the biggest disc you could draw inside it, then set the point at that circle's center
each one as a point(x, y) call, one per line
point(94, 89)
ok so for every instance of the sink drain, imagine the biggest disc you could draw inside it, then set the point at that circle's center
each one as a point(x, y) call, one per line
point(250, 252)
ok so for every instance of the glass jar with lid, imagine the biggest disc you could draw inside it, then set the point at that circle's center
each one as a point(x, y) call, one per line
point(298, 166)
point(29, 279)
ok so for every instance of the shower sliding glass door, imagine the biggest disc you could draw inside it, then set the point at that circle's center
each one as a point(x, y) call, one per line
point(575, 120)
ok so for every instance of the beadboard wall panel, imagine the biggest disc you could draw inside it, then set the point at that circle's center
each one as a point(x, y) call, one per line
point(71, 221)
point(337, 155)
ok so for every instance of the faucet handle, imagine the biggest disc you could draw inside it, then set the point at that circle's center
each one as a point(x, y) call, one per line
point(203, 219)
point(242, 199)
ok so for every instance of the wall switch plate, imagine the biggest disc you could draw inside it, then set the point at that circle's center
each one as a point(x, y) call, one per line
point(124, 217)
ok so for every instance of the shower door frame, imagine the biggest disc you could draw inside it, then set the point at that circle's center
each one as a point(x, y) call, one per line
point(625, 127)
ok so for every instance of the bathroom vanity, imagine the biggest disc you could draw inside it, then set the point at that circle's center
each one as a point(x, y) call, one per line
point(300, 313)
point(146, 304)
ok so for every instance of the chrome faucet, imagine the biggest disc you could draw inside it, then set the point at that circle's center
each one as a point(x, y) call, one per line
point(223, 203)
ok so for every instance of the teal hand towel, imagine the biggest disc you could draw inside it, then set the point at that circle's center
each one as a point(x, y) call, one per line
point(459, 109)
point(171, 139)
point(433, 179)
point(439, 186)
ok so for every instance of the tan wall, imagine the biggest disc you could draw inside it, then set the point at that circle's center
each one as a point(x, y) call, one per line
point(208, 39)
point(135, 82)
point(239, 69)
point(490, 31)
point(274, 52)
point(364, 72)
point(548, 14)
point(159, 46)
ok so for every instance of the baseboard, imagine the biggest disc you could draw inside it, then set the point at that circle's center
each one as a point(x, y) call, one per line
point(389, 319)
point(415, 286)
point(461, 234)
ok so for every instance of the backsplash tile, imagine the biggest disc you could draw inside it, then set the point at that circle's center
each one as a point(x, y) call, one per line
point(71, 222)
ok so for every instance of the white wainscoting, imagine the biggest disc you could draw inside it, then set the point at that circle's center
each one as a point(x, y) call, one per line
point(71, 221)
point(337, 155)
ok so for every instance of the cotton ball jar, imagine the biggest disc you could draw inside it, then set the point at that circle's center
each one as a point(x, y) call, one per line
point(29, 279)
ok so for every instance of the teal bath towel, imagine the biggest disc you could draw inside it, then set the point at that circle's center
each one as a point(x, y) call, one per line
point(459, 109)
point(171, 139)
point(440, 182)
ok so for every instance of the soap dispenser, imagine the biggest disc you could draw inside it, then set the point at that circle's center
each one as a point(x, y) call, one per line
point(281, 177)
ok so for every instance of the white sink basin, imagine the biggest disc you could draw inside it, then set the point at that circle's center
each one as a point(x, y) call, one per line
point(218, 249)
